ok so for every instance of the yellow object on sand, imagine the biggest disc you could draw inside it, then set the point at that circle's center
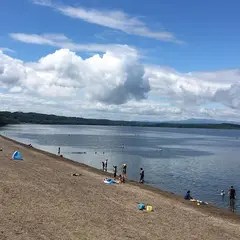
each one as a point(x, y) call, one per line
point(149, 208)
point(198, 204)
point(193, 200)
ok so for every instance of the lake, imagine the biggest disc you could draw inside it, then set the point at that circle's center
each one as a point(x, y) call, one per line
point(204, 161)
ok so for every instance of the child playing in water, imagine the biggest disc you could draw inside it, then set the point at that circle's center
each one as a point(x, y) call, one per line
point(141, 175)
point(121, 179)
point(188, 196)
point(222, 194)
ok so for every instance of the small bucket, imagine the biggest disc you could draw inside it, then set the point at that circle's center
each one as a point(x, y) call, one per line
point(149, 208)
point(141, 206)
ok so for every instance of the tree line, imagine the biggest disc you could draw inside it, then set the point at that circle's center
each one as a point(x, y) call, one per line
point(38, 118)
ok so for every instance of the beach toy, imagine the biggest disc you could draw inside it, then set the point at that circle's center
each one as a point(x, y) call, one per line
point(76, 174)
point(198, 204)
point(17, 156)
point(141, 206)
point(149, 208)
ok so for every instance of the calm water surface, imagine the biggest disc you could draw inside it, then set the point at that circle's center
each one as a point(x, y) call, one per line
point(202, 160)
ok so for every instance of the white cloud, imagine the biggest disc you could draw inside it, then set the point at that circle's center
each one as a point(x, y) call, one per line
point(230, 96)
point(128, 111)
point(112, 19)
point(15, 89)
point(4, 49)
point(144, 110)
point(223, 77)
point(190, 89)
point(184, 88)
point(46, 3)
point(61, 41)
point(10, 70)
point(111, 78)
point(115, 85)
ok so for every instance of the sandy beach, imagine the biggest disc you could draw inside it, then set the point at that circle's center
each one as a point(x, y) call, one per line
point(40, 199)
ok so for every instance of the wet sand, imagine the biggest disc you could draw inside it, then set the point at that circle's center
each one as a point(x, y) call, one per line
point(40, 199)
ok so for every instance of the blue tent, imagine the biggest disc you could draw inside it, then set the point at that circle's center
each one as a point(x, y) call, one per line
point(17, 156)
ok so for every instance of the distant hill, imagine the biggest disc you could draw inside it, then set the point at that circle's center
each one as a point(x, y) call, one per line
point(203, 121)
point(38, 118)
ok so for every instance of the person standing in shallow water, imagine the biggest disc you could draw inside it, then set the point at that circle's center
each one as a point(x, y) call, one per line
point(59, 151)
point(106, 163)
point(114, 171)
point(232, 197)
point(103, 165)
point(124, 169)
point(141, 175)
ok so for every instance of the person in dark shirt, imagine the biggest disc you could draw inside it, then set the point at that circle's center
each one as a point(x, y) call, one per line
point(232, 197)
point(124, 169)
point(103, 165)
point(114, 171)
point(188, 196)
point(232, 193)
point(141, 175)
point(106, 163)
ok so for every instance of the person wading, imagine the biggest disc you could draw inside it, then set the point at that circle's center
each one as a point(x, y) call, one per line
point(232, 197)
point(103, 165)
point(114, 171)
point(106, 163)
point(124, 169)
point(141, 175)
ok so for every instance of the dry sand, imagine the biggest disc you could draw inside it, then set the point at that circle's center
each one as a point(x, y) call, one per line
point(39, 199)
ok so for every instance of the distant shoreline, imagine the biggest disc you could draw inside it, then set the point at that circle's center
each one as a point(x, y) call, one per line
point(223, 126)
point(7, 118)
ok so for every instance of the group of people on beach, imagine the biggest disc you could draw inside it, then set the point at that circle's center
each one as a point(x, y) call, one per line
point(231, 194)
point(124, 171)
point(232, 197)
point(121, 176)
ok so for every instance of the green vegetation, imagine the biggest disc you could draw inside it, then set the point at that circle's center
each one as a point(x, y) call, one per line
point(2, 122)
point(37, 118)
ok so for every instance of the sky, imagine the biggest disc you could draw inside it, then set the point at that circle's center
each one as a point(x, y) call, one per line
point(128, 60)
